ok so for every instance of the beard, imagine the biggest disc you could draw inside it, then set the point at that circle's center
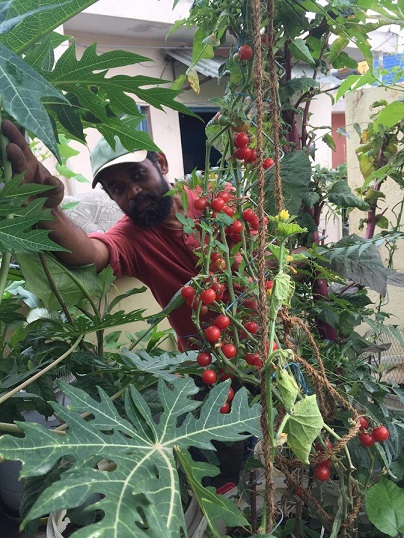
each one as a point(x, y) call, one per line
point(150, 210)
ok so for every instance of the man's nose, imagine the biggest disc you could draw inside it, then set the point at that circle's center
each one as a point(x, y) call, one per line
point(134, 191)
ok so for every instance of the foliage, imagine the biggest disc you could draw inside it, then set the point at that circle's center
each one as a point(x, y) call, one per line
point(119, 464)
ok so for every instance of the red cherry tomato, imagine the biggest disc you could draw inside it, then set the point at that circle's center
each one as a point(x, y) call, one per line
point(218, 204)
point(258, 363)
point(225, 408)
point(242, 153)
point(209, 377)
point(364, 423)
point(212, 333)
point(322, 473)
point(267, 163)
point(366, 439)
point(228, 210)
point(204, 358)
point(222, 321)
point(252, 158)
point(249, 214)
point(208, 296)
point(250, 358)
point(381, 433)
point(252, 326)
point(254, 223)
point(188, 292)
point(203, 310)
point(229, 350)
point(235, 227)
point(230, 395)
point(245, 52)
point(200, 204)
point(215, 256)
point(320, 448)
point(325, 463)
point(241, 139)
point(269, 284)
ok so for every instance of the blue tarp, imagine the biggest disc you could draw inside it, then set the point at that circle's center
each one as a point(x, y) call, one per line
point(393, 64)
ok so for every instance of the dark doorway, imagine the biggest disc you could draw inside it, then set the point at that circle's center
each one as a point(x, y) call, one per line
point(193, 140)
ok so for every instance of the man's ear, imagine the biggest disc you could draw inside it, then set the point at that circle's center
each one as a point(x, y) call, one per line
point(162, 160)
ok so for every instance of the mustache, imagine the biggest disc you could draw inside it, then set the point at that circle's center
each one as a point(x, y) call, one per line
point(140, 198)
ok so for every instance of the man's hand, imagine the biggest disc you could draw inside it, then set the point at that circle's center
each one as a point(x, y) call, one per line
point(24, 161)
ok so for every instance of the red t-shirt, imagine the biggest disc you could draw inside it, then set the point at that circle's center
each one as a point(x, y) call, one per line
point(162, 258)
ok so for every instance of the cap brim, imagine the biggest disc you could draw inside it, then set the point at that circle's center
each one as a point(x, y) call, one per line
point(134, 157)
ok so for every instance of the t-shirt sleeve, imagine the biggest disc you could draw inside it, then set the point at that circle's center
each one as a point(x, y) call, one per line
point(122, 250)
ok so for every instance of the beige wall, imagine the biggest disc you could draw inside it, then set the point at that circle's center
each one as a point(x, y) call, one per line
point(358, 111)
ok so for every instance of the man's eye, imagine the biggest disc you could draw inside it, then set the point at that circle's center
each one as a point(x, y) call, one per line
point(117, 191)
point(139, 174)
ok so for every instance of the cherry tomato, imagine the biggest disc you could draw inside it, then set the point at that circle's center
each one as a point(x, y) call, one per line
point(245, 52)
point(209, 377)
point(193, 303)
point(225, 195)
point(366, 439)
point(203, 310)
point(364, 423)
point(322, 473)
point(222, 321)
point(269, 284)
point(204, 358)
point(381, 433)
point(249, 214)
point(267, 163)
point(241, 139)
point(252, 158)
point(228, 210)
point(242, 153)
point(212, 333)
point(252, 326)
point(215, 256)
point(225, 408)
point(320, 448)
point(218, 204)
point(221, 264)
point(254, 223)
point(250, 358)
point(235, 227)
point(188, 292)
point(229, 350)
point(325, 463)
point(230, 395)
point(208, 296)
point(200, 204)
point(258, 363)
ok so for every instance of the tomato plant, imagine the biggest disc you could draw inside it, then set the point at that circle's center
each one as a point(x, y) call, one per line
point(241, 139)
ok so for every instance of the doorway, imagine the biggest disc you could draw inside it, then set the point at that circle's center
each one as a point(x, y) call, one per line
point(193, 140)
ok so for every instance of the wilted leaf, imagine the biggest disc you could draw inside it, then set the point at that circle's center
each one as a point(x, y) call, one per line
point(303, 426)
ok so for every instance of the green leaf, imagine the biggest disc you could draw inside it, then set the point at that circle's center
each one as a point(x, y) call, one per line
point(303, 426)
point(288, 388)
point(215, 508)
point(354, 82)
point(385, 507)
point(282, 293)
point(337, 47)
point(36, 25)
point(165, 367)
point(65, 279)
point(359, 260)
point(296, 174)
point(301, 51)
point(328, 139)
point(341, 195)
point(390, 115)
point(22, 92)
point(142, 490)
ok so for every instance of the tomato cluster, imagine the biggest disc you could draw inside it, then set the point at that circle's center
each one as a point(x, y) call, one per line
point(244, 152)
point(369, 436)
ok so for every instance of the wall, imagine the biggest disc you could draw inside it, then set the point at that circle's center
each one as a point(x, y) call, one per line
point(358, 111)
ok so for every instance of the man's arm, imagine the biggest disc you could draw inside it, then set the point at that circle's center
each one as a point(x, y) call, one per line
point(63, 231)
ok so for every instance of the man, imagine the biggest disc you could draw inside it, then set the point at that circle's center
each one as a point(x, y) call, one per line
point(148, 242)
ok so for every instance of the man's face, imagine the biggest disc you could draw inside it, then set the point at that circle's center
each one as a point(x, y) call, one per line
point(139, 190)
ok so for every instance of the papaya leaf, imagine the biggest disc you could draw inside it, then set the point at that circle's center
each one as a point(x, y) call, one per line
point(22, 92)
point(215, 507)
point(140, 490)
point(38, 21)
point(7, 25)
point(165, 366)
point(385, 507)
point(303, 426)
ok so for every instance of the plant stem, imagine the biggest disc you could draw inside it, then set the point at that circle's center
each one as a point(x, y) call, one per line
point(42, 372)
point(7, 175)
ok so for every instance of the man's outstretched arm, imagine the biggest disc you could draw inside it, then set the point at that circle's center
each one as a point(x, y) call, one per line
point(63, 231)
